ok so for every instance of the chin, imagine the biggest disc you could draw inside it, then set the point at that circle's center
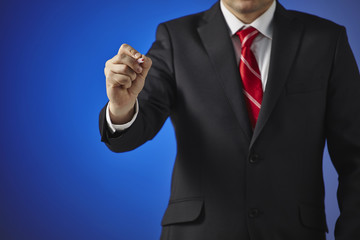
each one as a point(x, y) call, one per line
point(246, 7)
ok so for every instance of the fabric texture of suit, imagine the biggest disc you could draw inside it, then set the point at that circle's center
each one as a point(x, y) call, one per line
point(230, 182)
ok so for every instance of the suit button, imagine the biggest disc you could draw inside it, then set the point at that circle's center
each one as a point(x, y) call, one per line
point(254, 158)
point(254, 213)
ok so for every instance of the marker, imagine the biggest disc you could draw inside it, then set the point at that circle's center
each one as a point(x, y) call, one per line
point(140, 60)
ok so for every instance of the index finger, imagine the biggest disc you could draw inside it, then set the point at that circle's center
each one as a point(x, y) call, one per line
point(127, 49)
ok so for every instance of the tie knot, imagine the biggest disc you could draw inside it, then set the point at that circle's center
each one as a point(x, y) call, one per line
point(247, 36)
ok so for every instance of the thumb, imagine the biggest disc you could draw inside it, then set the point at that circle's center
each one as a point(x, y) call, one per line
point(138, 83)
point(146, 65)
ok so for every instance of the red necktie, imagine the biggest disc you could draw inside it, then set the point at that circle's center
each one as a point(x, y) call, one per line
point(250, 74)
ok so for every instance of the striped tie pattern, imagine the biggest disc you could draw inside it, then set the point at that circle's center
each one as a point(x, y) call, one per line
point(250, 74)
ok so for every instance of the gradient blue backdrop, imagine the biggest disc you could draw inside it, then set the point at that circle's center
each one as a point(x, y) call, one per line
point(57, 180)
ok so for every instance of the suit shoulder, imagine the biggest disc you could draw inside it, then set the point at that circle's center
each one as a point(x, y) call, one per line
point(315, 22)
point(193, 21)
point(188, 21)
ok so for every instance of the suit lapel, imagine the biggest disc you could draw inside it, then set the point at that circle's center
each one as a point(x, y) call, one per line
point(286, 41)
point(217, 42)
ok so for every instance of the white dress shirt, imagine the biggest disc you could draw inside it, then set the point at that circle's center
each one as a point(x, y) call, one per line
point(261, 47)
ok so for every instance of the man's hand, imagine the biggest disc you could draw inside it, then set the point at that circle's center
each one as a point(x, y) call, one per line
point(125, 78)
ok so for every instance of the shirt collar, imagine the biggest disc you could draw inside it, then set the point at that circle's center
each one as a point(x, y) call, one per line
point(263, 23)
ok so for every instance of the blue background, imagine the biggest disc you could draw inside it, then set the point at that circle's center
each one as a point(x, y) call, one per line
point(57, 180)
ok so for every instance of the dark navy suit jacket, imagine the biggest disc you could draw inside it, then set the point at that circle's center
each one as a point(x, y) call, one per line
point(230, 182)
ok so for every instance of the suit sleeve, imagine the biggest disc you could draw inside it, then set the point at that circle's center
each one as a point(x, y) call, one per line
point(156, 100)
point(343, 136)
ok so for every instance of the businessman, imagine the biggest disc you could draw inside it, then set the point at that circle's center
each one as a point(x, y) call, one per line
point(253, 91)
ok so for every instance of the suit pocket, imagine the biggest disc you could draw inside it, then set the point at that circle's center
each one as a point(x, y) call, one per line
point(182, 211)
point(313, 217)
point(303, 87)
